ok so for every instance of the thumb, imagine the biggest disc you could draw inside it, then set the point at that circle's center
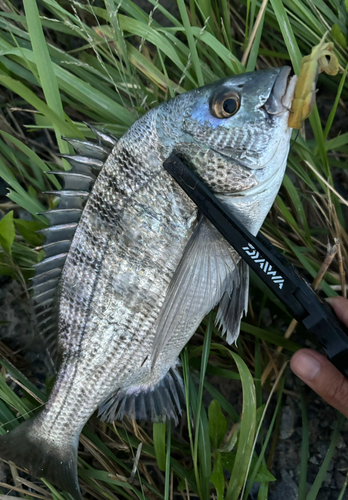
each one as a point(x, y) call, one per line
point(317, 372)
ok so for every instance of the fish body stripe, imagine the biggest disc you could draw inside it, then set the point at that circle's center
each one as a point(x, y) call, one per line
point(264, 265)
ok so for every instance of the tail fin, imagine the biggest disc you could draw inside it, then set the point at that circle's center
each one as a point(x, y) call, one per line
point(58, 464)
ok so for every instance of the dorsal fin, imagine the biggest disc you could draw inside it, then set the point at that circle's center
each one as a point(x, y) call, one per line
point(77, 183)
point(104, 137)
point(72, 180)
point(70, 198)
point(86, 162)
point(62, 232)
point(88, 149)
point(61, 246)
point(61, 216)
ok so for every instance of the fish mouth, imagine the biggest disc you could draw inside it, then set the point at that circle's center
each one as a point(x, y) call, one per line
point(278, 100)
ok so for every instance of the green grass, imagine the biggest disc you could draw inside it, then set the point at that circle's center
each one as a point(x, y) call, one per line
point(63, 63)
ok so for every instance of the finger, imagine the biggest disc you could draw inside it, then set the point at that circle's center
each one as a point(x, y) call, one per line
point(317, 372)
point(340, 306)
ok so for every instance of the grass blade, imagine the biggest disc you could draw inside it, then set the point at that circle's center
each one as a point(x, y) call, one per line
point(44, 67)
point(29, 96)
point(334, 107)
point(247, 431)
point(167, 462)
point(191, 42)
point(313, 492)
point(251, 478)
point(288, 34)
point(159, 442)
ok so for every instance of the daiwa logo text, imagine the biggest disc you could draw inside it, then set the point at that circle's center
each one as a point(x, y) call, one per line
point(264, 265)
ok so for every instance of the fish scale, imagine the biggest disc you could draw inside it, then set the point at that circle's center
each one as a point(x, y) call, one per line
point(143, 267)
point(107, 253)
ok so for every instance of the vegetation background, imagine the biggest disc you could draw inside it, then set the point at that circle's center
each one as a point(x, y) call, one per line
point(107, 62)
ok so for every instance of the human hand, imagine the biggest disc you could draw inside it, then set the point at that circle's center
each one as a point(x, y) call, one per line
point(317, 371)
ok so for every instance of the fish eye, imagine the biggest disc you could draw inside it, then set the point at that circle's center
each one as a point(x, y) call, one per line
point(224, 104)
point(230, 106)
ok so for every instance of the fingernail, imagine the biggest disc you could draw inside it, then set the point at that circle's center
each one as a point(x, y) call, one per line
point(306, 367)
point(329, 300)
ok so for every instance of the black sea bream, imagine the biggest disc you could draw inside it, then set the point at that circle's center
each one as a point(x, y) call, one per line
point(143, 268)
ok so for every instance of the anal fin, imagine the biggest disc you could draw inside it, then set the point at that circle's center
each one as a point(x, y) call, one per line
point(162, 402)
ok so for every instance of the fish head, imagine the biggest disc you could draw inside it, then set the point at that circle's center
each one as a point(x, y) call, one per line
point(243, 117)
point(235, 135)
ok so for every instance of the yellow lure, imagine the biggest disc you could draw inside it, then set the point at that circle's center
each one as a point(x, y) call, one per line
point(321, 59)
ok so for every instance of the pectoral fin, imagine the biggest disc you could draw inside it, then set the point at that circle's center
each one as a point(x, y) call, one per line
point(208, 269)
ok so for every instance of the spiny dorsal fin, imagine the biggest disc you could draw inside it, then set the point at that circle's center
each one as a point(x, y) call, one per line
point(78, 161)
point(72, 180)
point(89, 149)
point(46, 285)
point(77, 183)
point(104, 137)
point(62, 216)
point(54, 234)
point(57, 247)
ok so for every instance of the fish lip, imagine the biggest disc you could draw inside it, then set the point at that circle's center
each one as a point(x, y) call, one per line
point(274, 104)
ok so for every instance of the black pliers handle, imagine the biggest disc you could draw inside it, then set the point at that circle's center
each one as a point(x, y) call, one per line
point(289, 286)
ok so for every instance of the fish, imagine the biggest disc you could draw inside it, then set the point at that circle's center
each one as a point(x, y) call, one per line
point(132, 267)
